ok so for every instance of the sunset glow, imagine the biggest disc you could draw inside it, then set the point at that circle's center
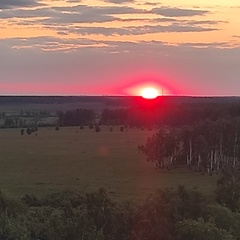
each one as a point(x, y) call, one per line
point(149, 93)
point(100, 47)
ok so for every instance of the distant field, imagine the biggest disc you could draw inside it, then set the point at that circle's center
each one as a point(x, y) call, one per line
point(74, 159)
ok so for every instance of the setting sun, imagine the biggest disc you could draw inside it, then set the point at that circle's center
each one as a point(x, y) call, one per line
point(149, 93)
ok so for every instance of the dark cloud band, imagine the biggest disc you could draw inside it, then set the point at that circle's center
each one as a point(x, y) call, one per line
point(177, 12)
point(8, 4)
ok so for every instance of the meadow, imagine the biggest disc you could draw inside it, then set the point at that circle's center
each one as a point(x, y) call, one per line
point(83, 160)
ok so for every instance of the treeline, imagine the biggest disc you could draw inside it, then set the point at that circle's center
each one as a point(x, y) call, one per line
point(76, 117)
point(112, 100)
point(205, 146)
point(138, 112)
point(169, 214)
point(169, 113)
point(49, 99)
point(24, 119)
point(152, 114)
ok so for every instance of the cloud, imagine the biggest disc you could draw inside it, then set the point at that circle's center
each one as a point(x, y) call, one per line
point(178, 12)
point(83, 17)
point(50, 44)
point(139, 30)
point(206, 45)
point(25, 14)
point(83, 14)
point(88, 14)
point(119, 1)
point(99, 10)
point(71, 15)
point(151, 3)
point(8, 4)
point(74, 14)
point(74, 1)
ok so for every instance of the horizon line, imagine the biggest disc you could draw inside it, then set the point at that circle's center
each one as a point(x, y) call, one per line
point(97, 95)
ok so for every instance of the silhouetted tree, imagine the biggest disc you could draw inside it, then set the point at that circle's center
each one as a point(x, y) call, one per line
point(97, 128)
point(29, 131)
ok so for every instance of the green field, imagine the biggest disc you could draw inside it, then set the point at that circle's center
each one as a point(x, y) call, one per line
point(74, 159)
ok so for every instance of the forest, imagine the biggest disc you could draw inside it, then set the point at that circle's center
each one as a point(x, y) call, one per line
point(170, 214)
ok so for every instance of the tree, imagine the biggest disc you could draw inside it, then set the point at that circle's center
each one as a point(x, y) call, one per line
point(228, 189)
point(78, 117)
point(154, 148)
point(9, 122)
point(29, 131)
point(224, 218)
point(188, 204)
point(201, 151)
point(97, 128)
point(190, 229)
point(162, 148)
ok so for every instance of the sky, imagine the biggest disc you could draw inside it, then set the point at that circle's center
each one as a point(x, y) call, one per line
point(117, 47)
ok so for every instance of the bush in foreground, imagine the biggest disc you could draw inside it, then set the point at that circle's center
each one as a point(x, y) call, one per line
point(167, 215)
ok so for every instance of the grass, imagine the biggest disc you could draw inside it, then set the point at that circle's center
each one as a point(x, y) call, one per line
point(74, 159)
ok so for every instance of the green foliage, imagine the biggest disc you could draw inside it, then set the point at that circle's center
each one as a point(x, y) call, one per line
point(13, 228)
point(63, 199)
point(206, 145)
point(12, 220)
point(169, 214)
point(153, 220)
point(76, 117)
point(224, 218)
point(99, 208)
point(10, 207)
point(190, 229)
point(123, 218)
point(228, 190)
point(188, 204)
point(9, 122)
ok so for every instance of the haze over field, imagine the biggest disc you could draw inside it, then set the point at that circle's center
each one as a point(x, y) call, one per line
point(111, 47)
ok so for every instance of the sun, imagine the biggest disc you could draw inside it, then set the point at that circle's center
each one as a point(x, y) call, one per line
point(149, 93)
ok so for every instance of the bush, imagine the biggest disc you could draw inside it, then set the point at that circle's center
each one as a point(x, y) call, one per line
point(168, 214)
point(190, 229)
point(228, 191)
